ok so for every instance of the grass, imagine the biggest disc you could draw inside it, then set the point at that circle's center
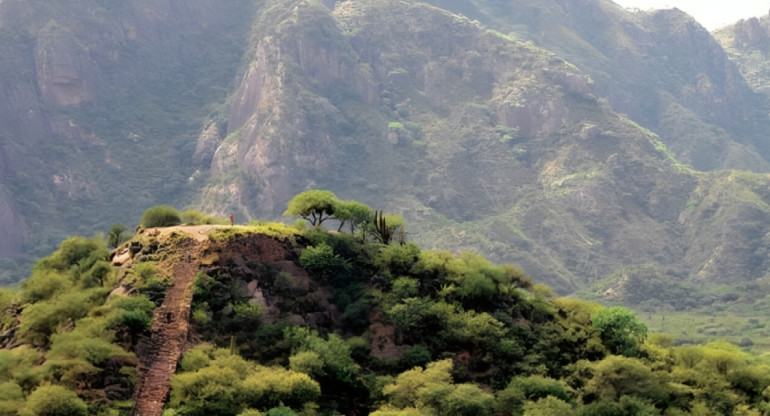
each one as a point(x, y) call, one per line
point(272, 229)
point(702, 327)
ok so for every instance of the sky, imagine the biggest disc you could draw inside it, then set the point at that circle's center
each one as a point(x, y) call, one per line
point(712, 14)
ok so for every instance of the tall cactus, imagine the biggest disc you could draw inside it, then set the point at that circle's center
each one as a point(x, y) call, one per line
point(381, 227)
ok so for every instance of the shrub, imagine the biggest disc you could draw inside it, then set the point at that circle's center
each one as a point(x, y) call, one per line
point(273, 386)
point(135, 321)
point(322, 260)
point(40, 320)
point(193, 217)
point(54, 401)
point(406, 287)
point(80, 251)
point(210, 390)
point(414, 357)
point(547, 406)
point(398, 260)
point(467, 400)
point(160, 216)
point(116, 236)
point(250, 412)
point(44, 284)
point(281, 411)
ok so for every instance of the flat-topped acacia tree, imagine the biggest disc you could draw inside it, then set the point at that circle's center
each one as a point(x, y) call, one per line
point(353, 213)
point(315, 206)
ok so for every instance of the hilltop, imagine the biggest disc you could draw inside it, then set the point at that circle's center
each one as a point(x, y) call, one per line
point(274, 319)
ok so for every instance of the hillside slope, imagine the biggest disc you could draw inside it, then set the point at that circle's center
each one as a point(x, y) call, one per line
point(747, 42)
point(660, 67)
point(486, 134)
point(266, 318)
point(102, 102)
point(483, 141)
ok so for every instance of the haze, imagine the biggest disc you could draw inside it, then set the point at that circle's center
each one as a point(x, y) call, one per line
point(711, 14)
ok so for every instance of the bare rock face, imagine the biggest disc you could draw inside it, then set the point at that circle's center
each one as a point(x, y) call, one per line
point(752, 34)
point(747, 42)
point(90, 90)
point(13, 228)
point(64, 69)
point(266, 272)
point(285, 142)
point(208, 140)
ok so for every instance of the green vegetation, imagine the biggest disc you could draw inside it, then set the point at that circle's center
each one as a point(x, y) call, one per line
point(273, 229)
point(69, 332)
point(194, 217)
point(415, 332)
point(116, 235)
point(160, 216)
point(619, 330)
point(54, 401)
point(315, 206)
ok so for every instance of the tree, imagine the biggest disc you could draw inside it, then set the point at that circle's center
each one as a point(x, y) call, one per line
point(160, 216)
point(353, 213)
point(416, 388)
point(315, 206)
point(547, 406)
point(617, 376)
point(115, 235)
point(620, 330)
point(467, 400)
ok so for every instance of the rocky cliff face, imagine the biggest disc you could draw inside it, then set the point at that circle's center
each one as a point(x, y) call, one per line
point(747, 42)
point(488, 143)
point(98, 101)
point(497, 129)
point(661, 68)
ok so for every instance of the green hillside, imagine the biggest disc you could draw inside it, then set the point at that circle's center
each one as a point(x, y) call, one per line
point(300, 320)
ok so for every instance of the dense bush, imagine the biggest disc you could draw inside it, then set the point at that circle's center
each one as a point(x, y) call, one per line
point(54, 401)
point(411, 332)
point(193, 217)
point(160, 216)
point(620, 330)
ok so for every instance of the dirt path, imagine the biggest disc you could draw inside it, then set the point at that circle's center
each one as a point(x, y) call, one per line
point(159, 353)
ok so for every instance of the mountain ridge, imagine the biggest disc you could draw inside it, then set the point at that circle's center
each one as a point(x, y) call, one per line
point(484, 140)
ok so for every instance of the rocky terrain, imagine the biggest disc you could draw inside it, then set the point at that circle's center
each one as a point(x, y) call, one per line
point(509, 149)
point(574, 138)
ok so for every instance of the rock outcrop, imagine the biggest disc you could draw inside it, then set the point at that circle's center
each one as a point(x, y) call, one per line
point(486, 142)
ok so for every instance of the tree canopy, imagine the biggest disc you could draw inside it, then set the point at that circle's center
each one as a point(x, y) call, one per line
point(620, 330)
point(316, 206)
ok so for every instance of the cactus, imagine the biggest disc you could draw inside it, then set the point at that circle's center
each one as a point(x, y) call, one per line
point(381, 227)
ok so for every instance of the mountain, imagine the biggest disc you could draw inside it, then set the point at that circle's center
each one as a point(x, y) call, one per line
point(101, 104)
point(483, 141)
point(660, 67)
point(747, 42)
point(564, 145)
